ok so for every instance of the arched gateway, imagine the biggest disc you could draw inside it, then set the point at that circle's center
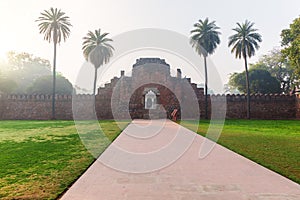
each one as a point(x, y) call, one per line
point(150, 92)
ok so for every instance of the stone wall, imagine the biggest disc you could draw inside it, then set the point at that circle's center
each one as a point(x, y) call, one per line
point(298, 106)
point(38, 107)
point(34, 107)
point(262, 106)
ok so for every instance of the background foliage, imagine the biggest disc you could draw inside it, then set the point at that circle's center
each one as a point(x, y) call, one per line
point(25, 73)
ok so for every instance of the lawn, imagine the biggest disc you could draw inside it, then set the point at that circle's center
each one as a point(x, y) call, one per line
point(273, 144)
point(40, 159)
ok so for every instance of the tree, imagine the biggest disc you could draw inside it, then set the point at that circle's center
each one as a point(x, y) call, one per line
point(261, 82)
point(205, 38)
point(291, 43)
point(97, 50)
point(244, 43)
point(24, 68)
point(23, 60)
point(55, 26)
point(278, 66)
point(43, 86)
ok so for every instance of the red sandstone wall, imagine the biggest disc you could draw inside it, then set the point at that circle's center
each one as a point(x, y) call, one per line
point(298, 106)
point(262, 106)
point(26, 107)
point(39, 106)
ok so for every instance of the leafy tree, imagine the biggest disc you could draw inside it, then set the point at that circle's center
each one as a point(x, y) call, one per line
point(55, 26)
point(244, 42)
point(23, 69)
point(43, 86)
point(20, 61)
point(97, 50)
point(291, 43)
point(278, 66)
point(205, 38)
point(261, 81)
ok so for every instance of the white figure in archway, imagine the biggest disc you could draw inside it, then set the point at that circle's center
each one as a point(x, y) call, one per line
point(150, 100)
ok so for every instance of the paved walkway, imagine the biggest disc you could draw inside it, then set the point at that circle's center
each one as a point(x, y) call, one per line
point(222, 175)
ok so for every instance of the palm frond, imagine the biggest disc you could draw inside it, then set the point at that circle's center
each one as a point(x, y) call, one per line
point(205, 37)
point(97, 48)
point(54, 24)
point(245, 40)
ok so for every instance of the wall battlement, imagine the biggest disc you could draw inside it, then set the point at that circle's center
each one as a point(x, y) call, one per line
point(271, 106)
point(255, 97)
point(42, 97)
point(229, 97)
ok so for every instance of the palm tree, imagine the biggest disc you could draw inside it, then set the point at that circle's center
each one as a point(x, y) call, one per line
point(97, 50)
point(205, 38)
point(244, 43)
point(55, 26)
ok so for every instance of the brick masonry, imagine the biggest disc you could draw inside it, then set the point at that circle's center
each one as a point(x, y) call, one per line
point(126, 95)
point(298, 107)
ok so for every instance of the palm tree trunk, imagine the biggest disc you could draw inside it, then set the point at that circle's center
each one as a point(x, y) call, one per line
point(95, 81)
point(54, 82)
point(247, 88)
point(206, 101)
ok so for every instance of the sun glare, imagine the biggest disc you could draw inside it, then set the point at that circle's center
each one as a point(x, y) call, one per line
point(3, 49)
point(2, 55)
point(6, 44)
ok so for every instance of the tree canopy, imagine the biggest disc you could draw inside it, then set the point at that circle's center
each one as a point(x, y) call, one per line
point(43, 85)
point(55, 25)
point(205, 37)
point(97, 48)
point(261, 82)
point(245, 40)
point(290, 40)
point(278, 66)
point(23, 71)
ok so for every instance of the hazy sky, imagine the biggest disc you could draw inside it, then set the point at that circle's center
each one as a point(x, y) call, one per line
point(19, 31)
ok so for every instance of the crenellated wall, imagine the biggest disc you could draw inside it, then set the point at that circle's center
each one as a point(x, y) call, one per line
point(269, 106)
point(38, 107)
point(34, 107)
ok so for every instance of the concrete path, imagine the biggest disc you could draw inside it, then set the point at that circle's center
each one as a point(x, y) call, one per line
point(173, 170)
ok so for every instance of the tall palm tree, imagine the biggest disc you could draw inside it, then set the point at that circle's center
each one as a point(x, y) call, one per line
point(97, 50)
point(245, 42)
point(205, 38)
point(55, 26)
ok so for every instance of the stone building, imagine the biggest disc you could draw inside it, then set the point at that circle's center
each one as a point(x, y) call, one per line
point(151, 92)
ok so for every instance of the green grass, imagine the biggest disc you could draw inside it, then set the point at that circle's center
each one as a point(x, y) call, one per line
point(40, 159)
point(273, 144)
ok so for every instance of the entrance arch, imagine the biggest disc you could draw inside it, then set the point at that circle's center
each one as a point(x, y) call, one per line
point(150, 100)
point(164, 99)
